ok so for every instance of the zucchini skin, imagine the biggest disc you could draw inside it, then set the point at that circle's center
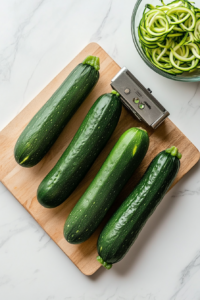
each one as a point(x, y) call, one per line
point(124, 226)
point(90, 139)
point(47, 124)
point(119, 166)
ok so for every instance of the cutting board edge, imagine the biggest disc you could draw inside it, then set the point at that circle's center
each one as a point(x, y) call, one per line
point(1, 179)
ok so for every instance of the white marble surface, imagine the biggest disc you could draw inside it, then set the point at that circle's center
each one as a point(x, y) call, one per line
point(37, 39)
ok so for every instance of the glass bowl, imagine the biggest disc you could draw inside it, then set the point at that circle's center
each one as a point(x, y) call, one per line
point(135, 20)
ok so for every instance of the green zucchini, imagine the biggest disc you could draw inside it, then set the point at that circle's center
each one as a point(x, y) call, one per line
point(124, 226)
point(86, 145)
point(119, 166)
point(45, 127)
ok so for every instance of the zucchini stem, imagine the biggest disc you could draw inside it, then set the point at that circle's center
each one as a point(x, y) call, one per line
point(115, 92)
point(92, 61)
point(174, 152)
point(104, 264)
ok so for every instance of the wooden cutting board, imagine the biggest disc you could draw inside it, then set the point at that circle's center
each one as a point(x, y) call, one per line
point(23, 183)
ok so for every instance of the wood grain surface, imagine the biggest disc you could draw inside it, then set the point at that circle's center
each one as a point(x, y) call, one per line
point(23, 182)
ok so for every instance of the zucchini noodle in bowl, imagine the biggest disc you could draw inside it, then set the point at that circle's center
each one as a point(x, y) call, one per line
point(167, 37)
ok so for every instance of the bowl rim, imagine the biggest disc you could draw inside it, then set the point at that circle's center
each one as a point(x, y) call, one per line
point(158, 71)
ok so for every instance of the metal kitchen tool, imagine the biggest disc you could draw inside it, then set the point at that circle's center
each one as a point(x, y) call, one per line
point(138, 99)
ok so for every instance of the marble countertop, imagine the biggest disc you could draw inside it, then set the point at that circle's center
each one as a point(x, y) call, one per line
point(38, 39)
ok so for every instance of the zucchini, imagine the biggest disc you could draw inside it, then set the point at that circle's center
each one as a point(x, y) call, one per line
point(45, 127)
point(119, 166)
point(124, 226)
point(91, 137)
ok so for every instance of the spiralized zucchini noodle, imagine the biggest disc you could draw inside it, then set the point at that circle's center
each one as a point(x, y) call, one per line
point(170, 36)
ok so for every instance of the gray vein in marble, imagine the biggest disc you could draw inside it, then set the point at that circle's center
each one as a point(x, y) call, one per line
point(147, 297)
point(191, 104)
point(44, 239)
point(46, 243)
point(29, 80)
point(194, 94)
point(190, 269)
point(11, 234)
point(42, 236)
point(186, 192)
point(195, 191)
point(186, 275)
point(114, 296)
point(110, 297)
point(65, 12)
point(102, 293)
point(98, 34)
point(190, 101)
point(8, 55)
